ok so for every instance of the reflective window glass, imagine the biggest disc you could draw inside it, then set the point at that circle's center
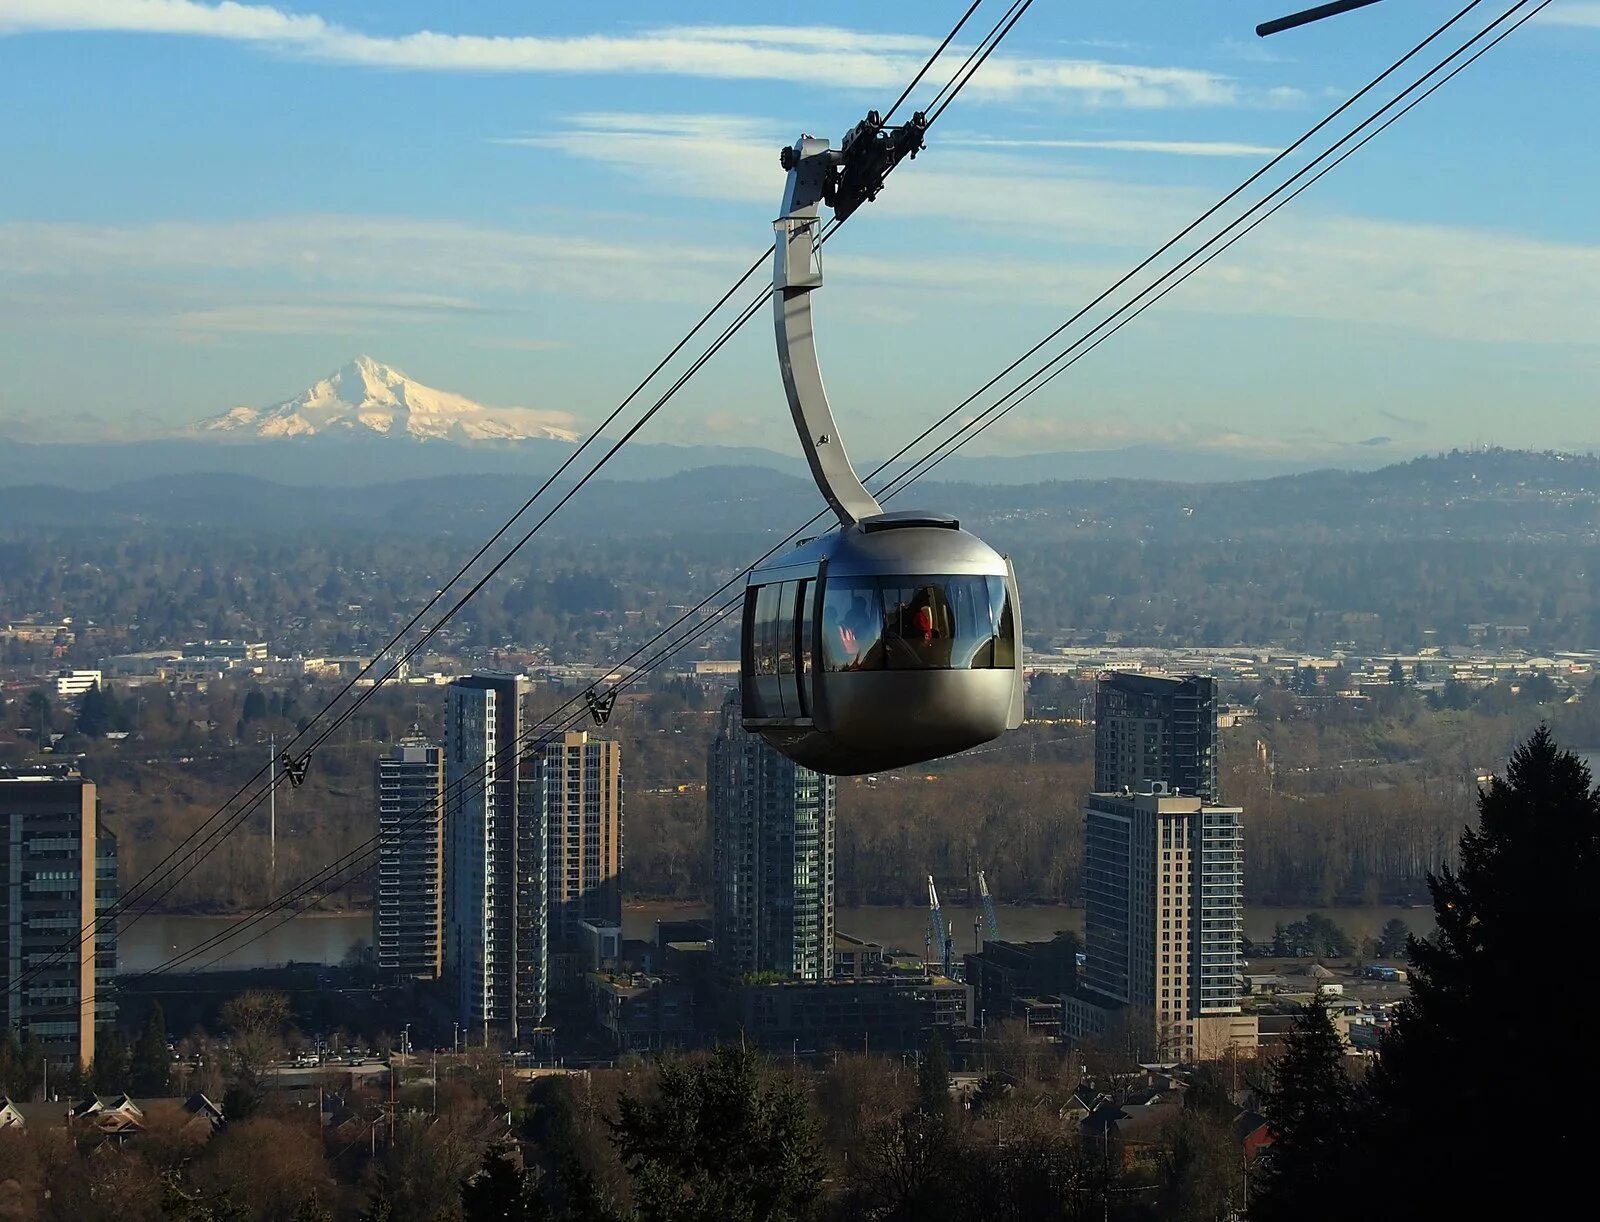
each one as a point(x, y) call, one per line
point(763, 692)
point(852, 625)
point(783, 649)
point(783, 628)
point(1005, 637)
point(765, 636)
point(938, 623)
point(918, 623)
point(806, 645)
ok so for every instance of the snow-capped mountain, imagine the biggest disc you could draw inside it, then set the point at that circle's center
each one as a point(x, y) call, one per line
point(365, 397)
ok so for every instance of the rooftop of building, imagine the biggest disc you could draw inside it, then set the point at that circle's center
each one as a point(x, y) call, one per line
point(632, 984)
point(888, 980)
point(39, 772)
point(1156, 797)
point(844, 941)
point(1150, 682)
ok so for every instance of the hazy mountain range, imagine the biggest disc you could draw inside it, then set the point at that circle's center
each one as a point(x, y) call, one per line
point(368, 422)
point(1461, 497)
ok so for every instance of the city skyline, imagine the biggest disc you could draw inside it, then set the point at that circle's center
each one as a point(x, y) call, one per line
point(1415, 308)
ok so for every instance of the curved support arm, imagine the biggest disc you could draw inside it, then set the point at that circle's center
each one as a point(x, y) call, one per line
point(795, 273)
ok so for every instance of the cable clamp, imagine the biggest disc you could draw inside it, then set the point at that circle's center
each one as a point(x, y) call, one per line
point(600, 706)
point(295, 769)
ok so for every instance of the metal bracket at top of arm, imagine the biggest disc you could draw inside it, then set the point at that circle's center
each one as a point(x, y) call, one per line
point(812, 167)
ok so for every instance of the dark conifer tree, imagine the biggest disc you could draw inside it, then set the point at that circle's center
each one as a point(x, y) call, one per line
point(501, 1191)
point(1393, 939)
point(152, 1065)
point(109, 1073)
point(723, 1137)
point(1311, 1105)
point(933, 1080)
point(1489, 1020)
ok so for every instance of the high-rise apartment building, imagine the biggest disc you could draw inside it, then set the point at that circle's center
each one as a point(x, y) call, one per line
point(772, 846)
point(107, 891)
point(1156, 728)
point(408, 906)
point(1163, 919)
point(58, 872)
point(496, 951)
point(582, 780)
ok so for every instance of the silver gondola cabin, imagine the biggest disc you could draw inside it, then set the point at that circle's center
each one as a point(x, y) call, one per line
point(897, 637)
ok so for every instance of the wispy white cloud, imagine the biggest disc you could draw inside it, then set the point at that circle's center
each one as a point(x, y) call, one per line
point(1586, 15)
point(512, 343)
point(294, 274)
point(1437, 279)
point(807, 55)
point(215, 282)
point(428, 263)
point(1175, 148)
point(357, 315)
point(731, 159)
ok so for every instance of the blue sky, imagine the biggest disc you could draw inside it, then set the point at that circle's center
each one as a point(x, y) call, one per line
point(208, 205)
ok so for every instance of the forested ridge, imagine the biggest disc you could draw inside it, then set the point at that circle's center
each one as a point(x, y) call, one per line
point(1371, 560)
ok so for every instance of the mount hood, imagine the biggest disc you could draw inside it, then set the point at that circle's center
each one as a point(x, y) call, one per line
point(367, 398)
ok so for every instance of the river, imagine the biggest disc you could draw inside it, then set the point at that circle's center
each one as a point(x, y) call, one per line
point(328, 938)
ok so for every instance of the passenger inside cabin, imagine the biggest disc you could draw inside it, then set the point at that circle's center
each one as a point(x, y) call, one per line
point(852, 641)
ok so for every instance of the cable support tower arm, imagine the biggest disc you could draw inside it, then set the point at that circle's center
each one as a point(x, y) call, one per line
point(1307, 16)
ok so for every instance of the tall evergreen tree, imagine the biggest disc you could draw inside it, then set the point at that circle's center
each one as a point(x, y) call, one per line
point(501, 1191)
point(112, 1058)
point(21, 1066)
point(1516, 916)
point(725, 1137)
point(1311, 1105)
point(1393, 939)
point(933, 1080)
point(152, 1066)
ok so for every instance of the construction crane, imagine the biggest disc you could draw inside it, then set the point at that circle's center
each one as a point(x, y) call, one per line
point(938, 930)
point(991, 922)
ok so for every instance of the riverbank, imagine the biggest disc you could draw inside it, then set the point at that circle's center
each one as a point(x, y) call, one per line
point(329, 936)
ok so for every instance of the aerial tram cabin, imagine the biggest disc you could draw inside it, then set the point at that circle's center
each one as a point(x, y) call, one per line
point(895, 638)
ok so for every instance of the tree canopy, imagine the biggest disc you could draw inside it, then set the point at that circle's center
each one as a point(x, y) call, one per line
point(1448, 1067)
point(725, 1136)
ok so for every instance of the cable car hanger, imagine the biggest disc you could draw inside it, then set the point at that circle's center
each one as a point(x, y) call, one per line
point(844, 179)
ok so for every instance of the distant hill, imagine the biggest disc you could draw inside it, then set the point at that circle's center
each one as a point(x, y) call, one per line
point(344, 457)
point(1492, 495)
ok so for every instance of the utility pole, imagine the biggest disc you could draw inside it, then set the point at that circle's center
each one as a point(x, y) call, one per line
point(272, 805)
